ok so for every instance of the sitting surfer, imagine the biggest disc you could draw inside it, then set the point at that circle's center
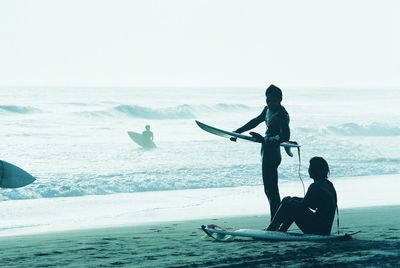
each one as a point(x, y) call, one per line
point(276, 119)
point(147, 133)
point(313, 214)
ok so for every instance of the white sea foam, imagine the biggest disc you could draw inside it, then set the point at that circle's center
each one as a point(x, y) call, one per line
point(79, 145)
point(21, 217)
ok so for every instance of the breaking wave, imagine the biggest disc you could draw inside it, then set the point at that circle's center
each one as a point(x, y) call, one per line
point(18, 109)
point(373, 129)
point(178, 112)
point(184, 111)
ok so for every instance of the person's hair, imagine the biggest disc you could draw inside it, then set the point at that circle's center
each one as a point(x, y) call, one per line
point(319, 167)
point(274, 90)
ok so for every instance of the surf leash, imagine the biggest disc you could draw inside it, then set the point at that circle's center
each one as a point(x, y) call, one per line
point(337, 218)
point(301, 179)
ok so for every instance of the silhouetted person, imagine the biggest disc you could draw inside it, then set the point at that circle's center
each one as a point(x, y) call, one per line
point(313, 214)
point(276, 119)
point(147, 133)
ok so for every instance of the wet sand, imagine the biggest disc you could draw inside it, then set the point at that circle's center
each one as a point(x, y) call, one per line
point(180, 244)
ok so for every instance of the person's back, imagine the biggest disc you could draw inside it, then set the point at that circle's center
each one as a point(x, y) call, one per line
point(321, 197)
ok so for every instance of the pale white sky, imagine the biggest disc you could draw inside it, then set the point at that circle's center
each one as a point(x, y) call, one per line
point(226, 43)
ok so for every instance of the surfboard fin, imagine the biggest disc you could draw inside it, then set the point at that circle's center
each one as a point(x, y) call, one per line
point(288, 150)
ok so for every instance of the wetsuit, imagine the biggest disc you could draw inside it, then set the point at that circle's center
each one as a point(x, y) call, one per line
point(148, 134)
point(277, 123)
point(313, 214)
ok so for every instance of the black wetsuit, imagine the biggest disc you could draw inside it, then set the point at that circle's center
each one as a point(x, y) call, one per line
point(321, 198)
point(277, 123)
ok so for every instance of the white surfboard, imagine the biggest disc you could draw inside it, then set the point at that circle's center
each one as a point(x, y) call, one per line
point(141, 140)
point(227, 234)
point(228, 134)
point(12, 176)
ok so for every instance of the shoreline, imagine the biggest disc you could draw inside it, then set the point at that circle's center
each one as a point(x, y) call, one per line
point(225, 220)
point(24, 217)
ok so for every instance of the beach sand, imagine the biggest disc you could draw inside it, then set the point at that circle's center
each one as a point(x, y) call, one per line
point(179, 244)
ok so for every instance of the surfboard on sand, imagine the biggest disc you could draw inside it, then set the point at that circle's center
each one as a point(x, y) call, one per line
point(142, 141)
point(218, 233)
point(12, 176)
point(228, 134)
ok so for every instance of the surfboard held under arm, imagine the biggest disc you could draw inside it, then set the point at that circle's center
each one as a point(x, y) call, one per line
point(141, 140)
point(230, 134)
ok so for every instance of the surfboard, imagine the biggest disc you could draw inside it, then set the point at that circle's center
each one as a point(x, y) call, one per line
point(12, 176)
point(229, 134)
point(141, 140)
point(228, 234)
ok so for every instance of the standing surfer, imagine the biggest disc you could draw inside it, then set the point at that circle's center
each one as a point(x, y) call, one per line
point(276, 119)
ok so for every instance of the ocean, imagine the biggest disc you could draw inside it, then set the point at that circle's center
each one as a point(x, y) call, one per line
point(75, 142)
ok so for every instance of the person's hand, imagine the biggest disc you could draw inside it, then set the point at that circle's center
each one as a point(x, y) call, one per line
point(272, 140)
point(257, 136)
point(234, 138)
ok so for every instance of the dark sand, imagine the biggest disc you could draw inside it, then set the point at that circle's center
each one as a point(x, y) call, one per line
point(179, 244)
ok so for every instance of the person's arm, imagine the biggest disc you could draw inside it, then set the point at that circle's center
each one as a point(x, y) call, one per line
point(253, 122)
point(312, 196)
point(152, 136)
point(284, 128)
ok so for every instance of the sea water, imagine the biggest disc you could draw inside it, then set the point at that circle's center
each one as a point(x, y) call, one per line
point(74, 140)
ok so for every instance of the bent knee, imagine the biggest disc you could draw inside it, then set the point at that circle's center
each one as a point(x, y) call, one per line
point(290, 201)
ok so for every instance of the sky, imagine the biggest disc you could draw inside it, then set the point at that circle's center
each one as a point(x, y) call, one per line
point(203, 43)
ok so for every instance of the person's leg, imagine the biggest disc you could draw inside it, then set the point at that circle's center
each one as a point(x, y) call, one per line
point(286, 224)
point(282, 218)
point(294, 208)
point(306, 221)
point(291, 210)
point(270, 180)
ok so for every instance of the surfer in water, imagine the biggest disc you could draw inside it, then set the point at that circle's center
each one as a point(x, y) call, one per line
point(276, 119)
point(313, 214)
point(147, 133)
